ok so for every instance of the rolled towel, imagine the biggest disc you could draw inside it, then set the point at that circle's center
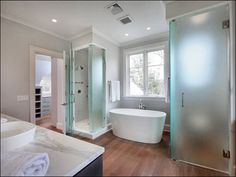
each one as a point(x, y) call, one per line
point(3, 120)
point(24, 164)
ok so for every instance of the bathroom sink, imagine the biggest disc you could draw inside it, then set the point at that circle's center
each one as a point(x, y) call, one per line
point(16, 134)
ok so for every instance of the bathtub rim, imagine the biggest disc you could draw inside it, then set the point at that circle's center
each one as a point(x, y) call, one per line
point(162, 114)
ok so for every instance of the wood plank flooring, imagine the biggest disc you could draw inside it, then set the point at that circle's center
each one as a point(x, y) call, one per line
point(128, 158)
point(46, 123)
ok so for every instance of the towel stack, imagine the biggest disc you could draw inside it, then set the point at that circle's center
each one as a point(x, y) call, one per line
point(24, 164)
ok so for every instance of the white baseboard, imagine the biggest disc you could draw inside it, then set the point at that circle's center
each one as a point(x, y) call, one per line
point(93, 135)
point(167, 128)
point(103, 131)
point(59, 125)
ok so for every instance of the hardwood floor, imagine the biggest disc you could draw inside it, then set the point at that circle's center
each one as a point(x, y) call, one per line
point(128, 158)
point(46, 123)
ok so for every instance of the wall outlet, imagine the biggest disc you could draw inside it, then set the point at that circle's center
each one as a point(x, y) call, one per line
point(22, 97)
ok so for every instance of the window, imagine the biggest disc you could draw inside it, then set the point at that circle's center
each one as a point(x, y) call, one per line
point(145, 75)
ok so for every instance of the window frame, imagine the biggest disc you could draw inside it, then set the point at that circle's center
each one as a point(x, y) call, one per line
point(144, 50)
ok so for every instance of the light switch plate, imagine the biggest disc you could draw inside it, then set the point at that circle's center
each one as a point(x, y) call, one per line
point(22, 97)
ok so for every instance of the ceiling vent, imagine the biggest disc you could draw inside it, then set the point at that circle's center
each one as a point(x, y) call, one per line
point(125, 20)
point(114, 8)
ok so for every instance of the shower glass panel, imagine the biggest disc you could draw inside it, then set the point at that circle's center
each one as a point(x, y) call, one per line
point(69, 92)
point(81, 89)
point(200, 88)
point(96, 89)
point(88, 89)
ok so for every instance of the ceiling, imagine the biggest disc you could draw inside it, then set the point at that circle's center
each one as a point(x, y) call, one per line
point(75, 17)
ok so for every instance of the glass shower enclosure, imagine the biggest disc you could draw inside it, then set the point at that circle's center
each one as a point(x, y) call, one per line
point(199, 54)
point(87, 90)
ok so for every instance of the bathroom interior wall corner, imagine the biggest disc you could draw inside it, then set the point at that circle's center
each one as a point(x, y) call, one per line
point(112, 66)
point(15, 41)
point(82, 40)
point(150, 103)
point(112, 60)
point(176, 9)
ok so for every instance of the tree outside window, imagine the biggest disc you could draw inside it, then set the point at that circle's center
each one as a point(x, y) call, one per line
point(146, 73)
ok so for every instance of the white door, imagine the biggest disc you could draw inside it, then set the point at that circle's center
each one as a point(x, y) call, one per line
point(61, 111)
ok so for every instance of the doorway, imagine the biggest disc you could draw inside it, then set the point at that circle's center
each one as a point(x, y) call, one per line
point(47, 89)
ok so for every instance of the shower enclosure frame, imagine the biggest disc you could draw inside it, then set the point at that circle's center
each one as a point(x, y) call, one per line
point(91, 132)
point(231, 75)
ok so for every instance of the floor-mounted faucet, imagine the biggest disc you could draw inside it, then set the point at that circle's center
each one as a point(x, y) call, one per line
point(141, 105)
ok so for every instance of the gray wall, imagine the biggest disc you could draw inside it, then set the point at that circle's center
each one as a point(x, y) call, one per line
point(151, 103)
point(15, 63)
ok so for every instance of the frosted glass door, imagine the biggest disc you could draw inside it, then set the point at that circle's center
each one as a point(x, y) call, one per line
point(69, 92)
point(200, 88)
point(96, 88)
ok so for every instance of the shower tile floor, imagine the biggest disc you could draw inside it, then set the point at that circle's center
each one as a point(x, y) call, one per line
point(82, 125)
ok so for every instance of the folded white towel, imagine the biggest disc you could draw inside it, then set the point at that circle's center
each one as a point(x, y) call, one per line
point(118, 90)
point(24, 164)
point(114, 89)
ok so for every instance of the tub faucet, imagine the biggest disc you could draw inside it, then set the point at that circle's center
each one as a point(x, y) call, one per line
point(141, 105)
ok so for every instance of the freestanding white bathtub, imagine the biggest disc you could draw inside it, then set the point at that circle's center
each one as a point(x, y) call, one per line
point(144, 126)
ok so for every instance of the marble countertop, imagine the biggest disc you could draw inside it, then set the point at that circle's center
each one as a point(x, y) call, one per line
point(67, 155)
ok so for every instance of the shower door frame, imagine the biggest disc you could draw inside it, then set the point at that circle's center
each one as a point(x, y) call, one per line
point(231, 61)
point(74, 49)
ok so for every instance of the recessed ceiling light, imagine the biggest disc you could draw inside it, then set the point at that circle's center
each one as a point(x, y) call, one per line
point(126, 34)
point(148, 28)
point(54, 20)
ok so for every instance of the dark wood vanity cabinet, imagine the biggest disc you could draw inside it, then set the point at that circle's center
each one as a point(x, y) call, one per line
point(95, 168)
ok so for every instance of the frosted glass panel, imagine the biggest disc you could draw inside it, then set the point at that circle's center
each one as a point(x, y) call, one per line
point(96, 88)
point(199, 88)
point(69, 92)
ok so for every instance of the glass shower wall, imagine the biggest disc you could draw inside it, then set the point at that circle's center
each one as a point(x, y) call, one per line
point(96, 88)
point(200, 88)
point(81, 89)
point(69, 92)
point(87, 89)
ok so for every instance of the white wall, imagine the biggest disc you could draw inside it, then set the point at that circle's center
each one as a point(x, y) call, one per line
point(176, 9)
point(82, 40)
point(112, 66)
point(150, 103)
point(112, 60)
point(15, 41)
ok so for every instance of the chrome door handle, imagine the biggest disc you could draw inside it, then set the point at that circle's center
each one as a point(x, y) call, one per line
point(64, 104)
point(182, 99)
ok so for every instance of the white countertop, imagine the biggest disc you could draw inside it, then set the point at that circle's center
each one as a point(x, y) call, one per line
point(67, 155)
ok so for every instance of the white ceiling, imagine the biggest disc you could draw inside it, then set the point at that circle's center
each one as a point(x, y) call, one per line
point(75, 17)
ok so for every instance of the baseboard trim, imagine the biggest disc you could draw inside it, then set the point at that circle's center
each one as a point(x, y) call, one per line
point(167, 128)
point(59, 125)
point(202, 166)
point(102, 132)
point(93, 135)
